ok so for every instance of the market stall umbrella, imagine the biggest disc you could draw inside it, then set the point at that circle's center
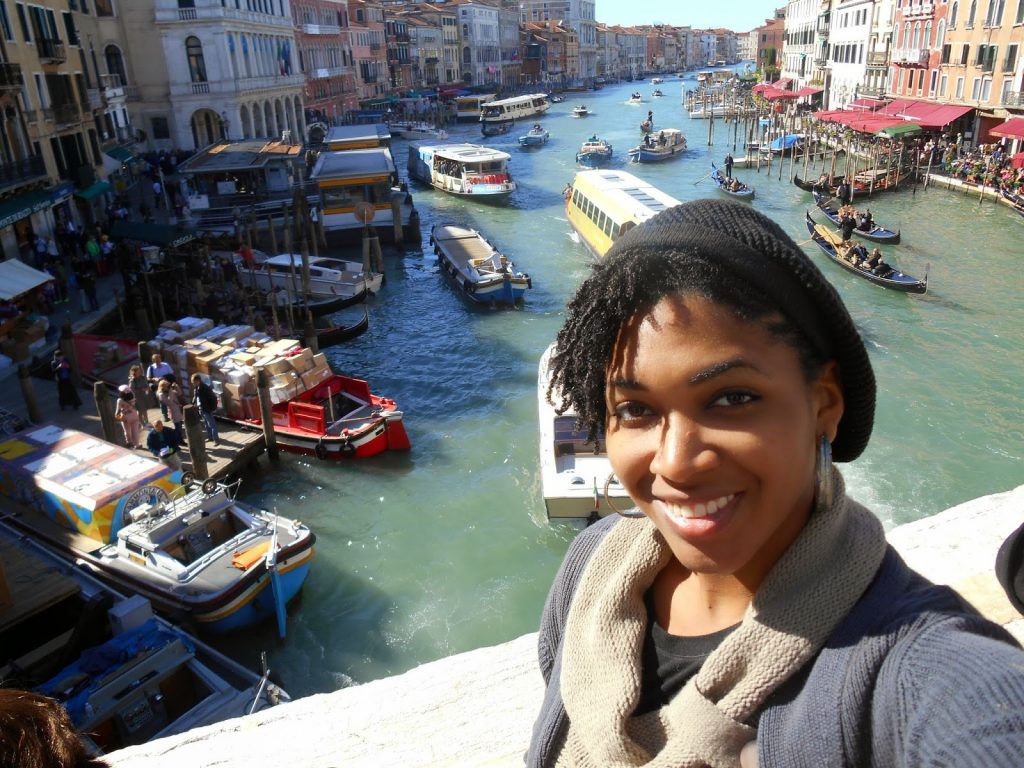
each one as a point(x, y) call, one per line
point(1011, 129)
point(900, 129)
point(808, 91)
point(18, 278)
point(775, 94)
point(760, 88)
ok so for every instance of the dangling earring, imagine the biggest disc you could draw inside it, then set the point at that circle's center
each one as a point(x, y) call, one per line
point(608, 500)
point(824, 487)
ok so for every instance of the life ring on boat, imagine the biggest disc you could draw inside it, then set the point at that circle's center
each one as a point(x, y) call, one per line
point(320, 451)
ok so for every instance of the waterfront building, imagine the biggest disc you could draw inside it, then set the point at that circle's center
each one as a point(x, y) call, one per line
point(876, 62)
point(915, 56)
point(745, 46)
point(446, 19)
point(508, 44)
point(805, 51)
point(655, 55)
point(689, 48)
point(577, 15)
point(770, 38)
point(632, 46)
point(981, 62)
point(208, 72)
point(325, 59)
point(366, 35)
point(56, 123)
point(426, 48)
point(562, 51)
point(480, 46)
point(400, 67)
point(848, 26)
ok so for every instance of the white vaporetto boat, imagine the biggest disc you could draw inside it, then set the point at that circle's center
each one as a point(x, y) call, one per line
point(468, 170)
point(514, 108)
point(576, 476)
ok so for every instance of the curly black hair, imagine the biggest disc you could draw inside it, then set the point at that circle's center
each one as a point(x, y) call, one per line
point(630, 285)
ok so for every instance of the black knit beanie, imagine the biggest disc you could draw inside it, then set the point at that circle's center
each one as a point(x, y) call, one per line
point(756, 249)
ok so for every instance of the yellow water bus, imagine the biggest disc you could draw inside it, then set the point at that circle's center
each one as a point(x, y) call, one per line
point(603, 204)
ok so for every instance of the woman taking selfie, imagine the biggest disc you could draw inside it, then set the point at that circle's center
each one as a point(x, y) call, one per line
point(747, 612)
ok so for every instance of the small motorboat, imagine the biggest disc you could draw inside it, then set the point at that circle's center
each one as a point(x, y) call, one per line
point(635, 98)
point(556, 98)
point(329, 277)
point(580, 111)
point(407, 129)
point(481, 272)
point(535, 137)
point(732, 186)
point(657, 93)
point(656, 81)
point(831, 243)
point(668, 143)
point(594, 153)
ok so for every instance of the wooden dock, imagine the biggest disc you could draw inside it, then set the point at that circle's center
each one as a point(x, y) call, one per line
point(238, 447)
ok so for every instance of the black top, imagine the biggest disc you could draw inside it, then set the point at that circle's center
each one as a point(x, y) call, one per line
point(669, 661)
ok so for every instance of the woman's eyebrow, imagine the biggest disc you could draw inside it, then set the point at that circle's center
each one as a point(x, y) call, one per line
point(701, 376)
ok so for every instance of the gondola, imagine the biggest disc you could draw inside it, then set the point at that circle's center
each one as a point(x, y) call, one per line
point(876, 233)
point(1016, 201)
point(828, 241)
point(810, 186)
point(328, 332)
point(744, 192)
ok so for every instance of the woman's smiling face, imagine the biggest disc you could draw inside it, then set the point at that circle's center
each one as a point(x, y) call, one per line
point(713, 430)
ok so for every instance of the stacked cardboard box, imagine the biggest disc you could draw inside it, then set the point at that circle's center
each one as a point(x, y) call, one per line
point(229, 356)
point(106, 356)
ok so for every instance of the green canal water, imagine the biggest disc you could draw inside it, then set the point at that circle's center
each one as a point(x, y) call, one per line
point(447, 548)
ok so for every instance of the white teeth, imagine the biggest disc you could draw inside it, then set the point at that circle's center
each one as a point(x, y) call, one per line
point(699, 510)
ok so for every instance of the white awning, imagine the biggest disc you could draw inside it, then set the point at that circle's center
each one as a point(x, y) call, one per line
point(17, 277)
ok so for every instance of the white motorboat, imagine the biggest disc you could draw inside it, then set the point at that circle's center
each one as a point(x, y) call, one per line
point(467, 170)
point(328, 276)
point(577, 480)
point(658, 146)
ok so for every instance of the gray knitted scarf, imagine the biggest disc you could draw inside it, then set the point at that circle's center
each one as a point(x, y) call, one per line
point(809, 590)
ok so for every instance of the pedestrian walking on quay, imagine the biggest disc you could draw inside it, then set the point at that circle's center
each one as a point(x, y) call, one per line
point(139, 386)
point(67, 395)
point(205, 399)
point(126, 413)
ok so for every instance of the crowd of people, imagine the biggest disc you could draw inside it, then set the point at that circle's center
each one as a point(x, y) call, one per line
point(990, 165)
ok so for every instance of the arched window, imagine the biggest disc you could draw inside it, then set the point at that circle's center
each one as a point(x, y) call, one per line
point(970, 13)
point(917, 36)
point(196, 65)
point(952, 15)
point(940, 35)
point(115, 62)
point(906, 35)
point(927, 42)
point(467, 56)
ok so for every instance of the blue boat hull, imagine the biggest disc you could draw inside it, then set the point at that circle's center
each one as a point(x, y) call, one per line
point(261, 605)
point(593, 159)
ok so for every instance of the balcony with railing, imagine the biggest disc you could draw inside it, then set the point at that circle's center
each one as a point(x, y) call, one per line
point(95, 99)
point(22, 171)
point(243, 85)
point(878, 59)
point(11, 77)
point(320, 29)
point(375, 46)
point(1014, 99)
point(66, 114)
point(321, 73)
point(910, 57)
point(50, 51)
point(123, 134)
point(914, 12)
point(113, 88)
point(219, 15)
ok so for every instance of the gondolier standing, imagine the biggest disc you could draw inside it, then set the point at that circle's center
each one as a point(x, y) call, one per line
point(728, 165)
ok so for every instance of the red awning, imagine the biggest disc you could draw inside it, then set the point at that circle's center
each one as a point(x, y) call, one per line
point(867, 103)
point(774, 94)
point(781, 83)
point(760, 88)
point(927, 114)
point(1017, 161)
point(1013, 128)
point(808, 91)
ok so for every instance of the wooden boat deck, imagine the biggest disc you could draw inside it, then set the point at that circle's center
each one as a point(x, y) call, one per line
point(462, 246)
point(32, 589)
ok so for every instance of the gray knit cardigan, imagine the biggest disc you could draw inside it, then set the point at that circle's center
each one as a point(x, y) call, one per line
point(913, 676)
